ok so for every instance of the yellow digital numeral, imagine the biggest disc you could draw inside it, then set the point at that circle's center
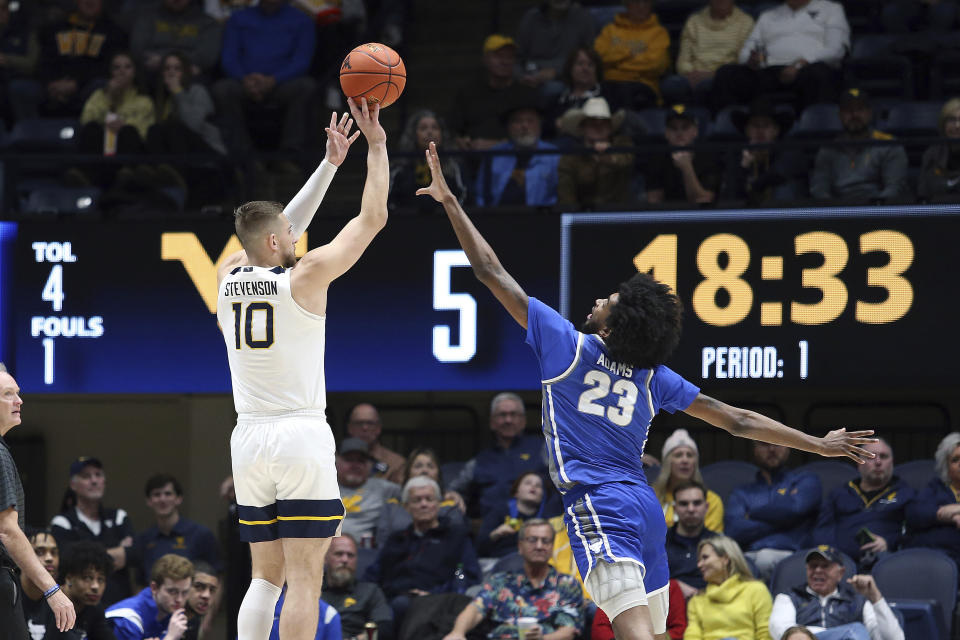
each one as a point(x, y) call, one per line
point(660, 258)
point(890, 277)
point(835, 253)
point(728, 279)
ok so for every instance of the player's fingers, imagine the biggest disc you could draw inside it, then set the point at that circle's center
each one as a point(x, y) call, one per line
point(365, 108)
point(376, 111)
point(423, 191)
point(354, 107)
point(343, 119)
point(347, 127)
point(356, 134)
point(863, 453)
point(861, 434)
point(333, 120)
point(853, 454)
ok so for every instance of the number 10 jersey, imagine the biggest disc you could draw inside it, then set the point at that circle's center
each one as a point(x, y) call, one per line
point(596, 412)
point(275, 347)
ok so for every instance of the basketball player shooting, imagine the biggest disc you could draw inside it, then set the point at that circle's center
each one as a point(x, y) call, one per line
point(602, 386)
point(271, 309)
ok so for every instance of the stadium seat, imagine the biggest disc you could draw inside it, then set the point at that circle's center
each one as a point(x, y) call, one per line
point(916, 473)
point(365, 558)
point(832, 473)
point(510, 562)
point(874, 67)
point(725, 476)
point(723, 128)
point(922, 582)
point(906, 119)
point(945, 75)
point(450, 470)
point(62, 200)
point(603, 15)
point(818, 121)
point(792, 571)
point(44, 134)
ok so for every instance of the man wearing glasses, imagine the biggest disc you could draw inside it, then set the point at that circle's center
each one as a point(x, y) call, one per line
point(364, 423)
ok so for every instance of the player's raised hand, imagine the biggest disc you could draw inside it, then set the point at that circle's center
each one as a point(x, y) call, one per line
point(438, 189)
point(368, 120)
point(840, 443)
point(339, 138)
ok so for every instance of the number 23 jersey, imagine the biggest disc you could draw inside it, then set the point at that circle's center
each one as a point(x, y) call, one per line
point(275, 347)
point(596, 412)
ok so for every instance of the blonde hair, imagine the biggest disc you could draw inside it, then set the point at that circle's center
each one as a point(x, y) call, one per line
point(661, 484)
point(949, 107)
point(171, 566)
point(727, 547)
point(253, 219)
point(942, 457)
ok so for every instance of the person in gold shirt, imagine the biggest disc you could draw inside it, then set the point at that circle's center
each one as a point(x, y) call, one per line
point(634, 50)
point(681, 462)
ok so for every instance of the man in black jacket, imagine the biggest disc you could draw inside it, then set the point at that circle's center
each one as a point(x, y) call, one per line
point(357, 602)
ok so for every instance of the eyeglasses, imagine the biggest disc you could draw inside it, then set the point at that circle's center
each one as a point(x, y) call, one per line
point(535, 540)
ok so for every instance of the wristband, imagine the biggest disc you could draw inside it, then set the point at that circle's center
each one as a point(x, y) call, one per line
point(52, 590)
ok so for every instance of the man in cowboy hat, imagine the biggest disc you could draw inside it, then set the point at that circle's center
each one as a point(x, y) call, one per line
point(587, 181)
point(765, 173)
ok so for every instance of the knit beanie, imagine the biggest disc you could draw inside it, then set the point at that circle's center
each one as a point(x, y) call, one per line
point(679, 438)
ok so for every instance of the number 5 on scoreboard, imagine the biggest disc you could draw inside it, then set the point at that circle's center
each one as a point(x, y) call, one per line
point(445, 300)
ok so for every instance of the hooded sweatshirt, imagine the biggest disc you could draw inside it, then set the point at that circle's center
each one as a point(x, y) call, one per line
point(736, 608)
point(634, 52)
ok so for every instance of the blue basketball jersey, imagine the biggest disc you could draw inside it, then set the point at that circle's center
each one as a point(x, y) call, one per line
point(596, 412)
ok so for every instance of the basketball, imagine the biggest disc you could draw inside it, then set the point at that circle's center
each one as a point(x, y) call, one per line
point(375, 72)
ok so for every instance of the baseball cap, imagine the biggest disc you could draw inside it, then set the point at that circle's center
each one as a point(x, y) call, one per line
point(350, 445)
point(496, 42)
point(854, 97)
point(680, 112)
point(82, 463)
point(828, 553)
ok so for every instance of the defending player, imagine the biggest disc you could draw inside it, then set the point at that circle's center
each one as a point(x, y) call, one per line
point(601, 389)
point(271, 309)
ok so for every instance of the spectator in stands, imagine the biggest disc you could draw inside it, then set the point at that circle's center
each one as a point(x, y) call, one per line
point(834, 608)
point(357, 602)
point(764, 175)
point(172, 533)
point(866, 517)
point(266, 54)
point(795, 47)
point(581, 81)
point(681, 463)
point(486, 479)
point(548, 33)
point(157, 611)
point(497, 536)
point(711, 37)
point(184, 109)
point(220, 10)
point(538, 591)
point(478, 116)
point(520, 178)
point(859, 173)
point(735, 604)
point(684, 537)
point(83, 517)
point(328, 620)
point(407, 175)
point(933, 517)
point(798, 633)
point(38, 614)
point(176, 25)
point(773, 516)
point(363, 496)
point(424, 557)
point(601, 178)
point(683, 176)
point(393, 517)
point(202, 601)
point(365, 423)
point(602, 629)
point(940, 168)
point(19, 52)
point(634, 49)
point(75, 54)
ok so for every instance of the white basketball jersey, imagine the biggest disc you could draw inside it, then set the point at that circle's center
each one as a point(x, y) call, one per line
point(275, 347)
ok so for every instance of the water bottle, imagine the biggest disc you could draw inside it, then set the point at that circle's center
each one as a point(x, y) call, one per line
point(459, 579)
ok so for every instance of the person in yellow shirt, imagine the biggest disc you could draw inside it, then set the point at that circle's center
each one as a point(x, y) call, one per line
point(681, 462)
point(735, 604)
point(634, 50)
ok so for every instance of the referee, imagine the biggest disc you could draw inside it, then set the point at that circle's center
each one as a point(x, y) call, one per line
point(16, 554)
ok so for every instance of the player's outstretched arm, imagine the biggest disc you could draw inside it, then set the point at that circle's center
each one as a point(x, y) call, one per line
point(750, 424)
point(486, 265)
point(303, 207)
point(332, 260)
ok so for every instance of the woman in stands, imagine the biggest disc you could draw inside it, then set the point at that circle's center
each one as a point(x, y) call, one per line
point(798, 633)
point(184, 109)
point(735, 604)
point(498, 532)
point(393, 517)
point(681, 461)
point(410, 173)
point(581, 79)
point(940, 167)
point(933, 517)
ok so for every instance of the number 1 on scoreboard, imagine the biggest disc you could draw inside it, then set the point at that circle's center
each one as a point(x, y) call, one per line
point(804, 350)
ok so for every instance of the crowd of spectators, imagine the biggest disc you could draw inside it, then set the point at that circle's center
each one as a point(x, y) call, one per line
point(479, 553)
point(576, 107)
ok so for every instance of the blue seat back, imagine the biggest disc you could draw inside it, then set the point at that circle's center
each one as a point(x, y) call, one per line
point(818, 121)
point(449, 471)
point(725, 476)
point(832, 473)
point(920, 575)
point(44, 134)
point(916, 473)
point(912, 119)
point(62, 200)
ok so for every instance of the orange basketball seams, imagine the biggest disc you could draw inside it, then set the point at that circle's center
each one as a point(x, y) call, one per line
point(374, 71)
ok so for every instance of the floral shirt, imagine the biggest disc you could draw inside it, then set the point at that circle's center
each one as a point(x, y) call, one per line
point(507, 596)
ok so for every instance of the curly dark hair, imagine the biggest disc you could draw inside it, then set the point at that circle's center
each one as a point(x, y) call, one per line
point(83, 555)
point(645, 323)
